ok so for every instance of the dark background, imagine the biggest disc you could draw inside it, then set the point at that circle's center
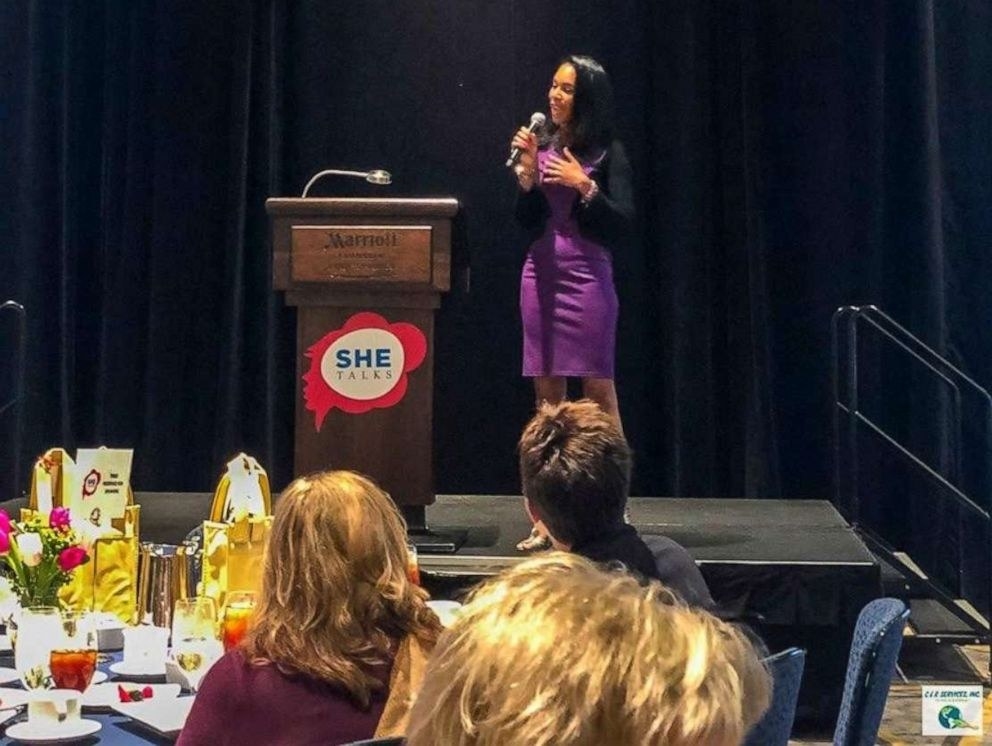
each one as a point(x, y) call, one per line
point(789, 158)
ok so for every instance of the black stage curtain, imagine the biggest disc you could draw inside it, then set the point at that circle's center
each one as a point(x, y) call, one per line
point(789, 158)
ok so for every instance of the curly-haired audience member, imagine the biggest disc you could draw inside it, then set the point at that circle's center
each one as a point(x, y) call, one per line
point(558, 651)
point(340, 637)
point(575, 476)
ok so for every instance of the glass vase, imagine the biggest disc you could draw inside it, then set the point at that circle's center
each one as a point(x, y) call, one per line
point(32, 599)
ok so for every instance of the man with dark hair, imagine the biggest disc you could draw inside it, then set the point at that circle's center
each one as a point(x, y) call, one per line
point(575, 472)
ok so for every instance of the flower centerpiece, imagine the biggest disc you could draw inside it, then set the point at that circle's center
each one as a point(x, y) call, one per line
point(40, 555)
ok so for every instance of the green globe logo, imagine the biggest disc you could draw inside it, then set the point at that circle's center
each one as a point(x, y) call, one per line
point(950, 717)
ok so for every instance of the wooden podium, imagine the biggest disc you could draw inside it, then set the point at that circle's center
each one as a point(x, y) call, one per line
point(335, 258)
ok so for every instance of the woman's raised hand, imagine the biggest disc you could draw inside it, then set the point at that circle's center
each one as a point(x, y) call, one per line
point(566, 171)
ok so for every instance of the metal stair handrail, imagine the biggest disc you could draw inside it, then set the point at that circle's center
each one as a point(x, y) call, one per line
point(844, 340)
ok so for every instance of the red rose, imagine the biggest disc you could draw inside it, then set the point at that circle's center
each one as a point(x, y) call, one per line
point(4, 522)
point(71, 558)
point(4, 542)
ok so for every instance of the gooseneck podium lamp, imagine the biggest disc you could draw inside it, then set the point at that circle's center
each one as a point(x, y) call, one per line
point(376, 176)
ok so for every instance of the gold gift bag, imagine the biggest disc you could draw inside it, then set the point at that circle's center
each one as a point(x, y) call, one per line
point(108, 582)
point(47, 480)
point(235, 537)
point(243, 488)
point(233, 554)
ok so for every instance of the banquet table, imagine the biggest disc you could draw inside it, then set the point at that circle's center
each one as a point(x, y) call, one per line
point(116, 728)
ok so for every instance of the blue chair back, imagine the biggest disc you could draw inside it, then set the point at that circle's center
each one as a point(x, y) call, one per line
point(873, 658)
point(775, 726)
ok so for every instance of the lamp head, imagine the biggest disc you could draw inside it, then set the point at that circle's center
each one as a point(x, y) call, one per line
point(378, 176)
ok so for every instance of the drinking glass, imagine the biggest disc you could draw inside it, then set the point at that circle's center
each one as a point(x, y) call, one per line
point(194, 619)
point(412, 564)
point(194, 637)
point(73, 659)
point(39, 629)
point(237, 613)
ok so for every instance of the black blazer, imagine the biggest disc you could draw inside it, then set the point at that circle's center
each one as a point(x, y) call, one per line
point(606, 218)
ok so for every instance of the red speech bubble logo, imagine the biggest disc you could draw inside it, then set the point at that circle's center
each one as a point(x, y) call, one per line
point(364, 365)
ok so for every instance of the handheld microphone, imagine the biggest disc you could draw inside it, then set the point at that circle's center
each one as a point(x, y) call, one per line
point(537, 120)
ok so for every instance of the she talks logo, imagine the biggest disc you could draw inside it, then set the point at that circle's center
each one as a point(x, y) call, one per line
point(364, 365)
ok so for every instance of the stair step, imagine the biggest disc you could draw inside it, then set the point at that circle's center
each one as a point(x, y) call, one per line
point(929, 617)
point(899, 585)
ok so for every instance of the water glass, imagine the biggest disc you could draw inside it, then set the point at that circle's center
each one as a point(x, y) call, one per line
point(39, 630)
point(194, 619)
point(195, 656)
point(194, 637)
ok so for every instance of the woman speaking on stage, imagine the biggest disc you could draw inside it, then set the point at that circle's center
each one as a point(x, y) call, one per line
point(575, 199)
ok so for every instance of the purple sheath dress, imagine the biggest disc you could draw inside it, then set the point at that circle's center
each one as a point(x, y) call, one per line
point(567, 300)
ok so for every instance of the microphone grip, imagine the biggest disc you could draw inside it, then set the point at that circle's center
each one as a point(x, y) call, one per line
point(517, 152)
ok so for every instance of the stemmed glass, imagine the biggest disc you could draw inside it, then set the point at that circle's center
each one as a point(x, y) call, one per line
point(194, 637)
point(73, 661)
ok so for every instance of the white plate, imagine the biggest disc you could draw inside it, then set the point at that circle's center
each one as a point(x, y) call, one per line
point(63, 733)
point(11, 699)
point(9, 675)
point(105, 696)
point(138, 674)
point(166, 717)
point(98, 678)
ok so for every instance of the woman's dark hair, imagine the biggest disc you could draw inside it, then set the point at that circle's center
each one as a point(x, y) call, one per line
point(592, 107)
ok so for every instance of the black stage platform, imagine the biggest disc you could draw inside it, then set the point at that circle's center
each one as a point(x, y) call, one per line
point(792, 569)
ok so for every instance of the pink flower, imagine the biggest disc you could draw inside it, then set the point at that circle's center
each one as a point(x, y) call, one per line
point(4, 521)
point(59, 519)
point(71, 558)
point(4, 542)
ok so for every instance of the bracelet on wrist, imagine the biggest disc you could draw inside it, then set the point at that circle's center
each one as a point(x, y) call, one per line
point(589, 191)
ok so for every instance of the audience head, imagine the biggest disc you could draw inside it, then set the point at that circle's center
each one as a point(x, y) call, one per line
point(574, 470)
point(335, 597)
point(558, 651)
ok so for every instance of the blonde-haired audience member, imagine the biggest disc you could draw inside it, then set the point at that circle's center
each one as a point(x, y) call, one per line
point(558, 651)
point(340, 637)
